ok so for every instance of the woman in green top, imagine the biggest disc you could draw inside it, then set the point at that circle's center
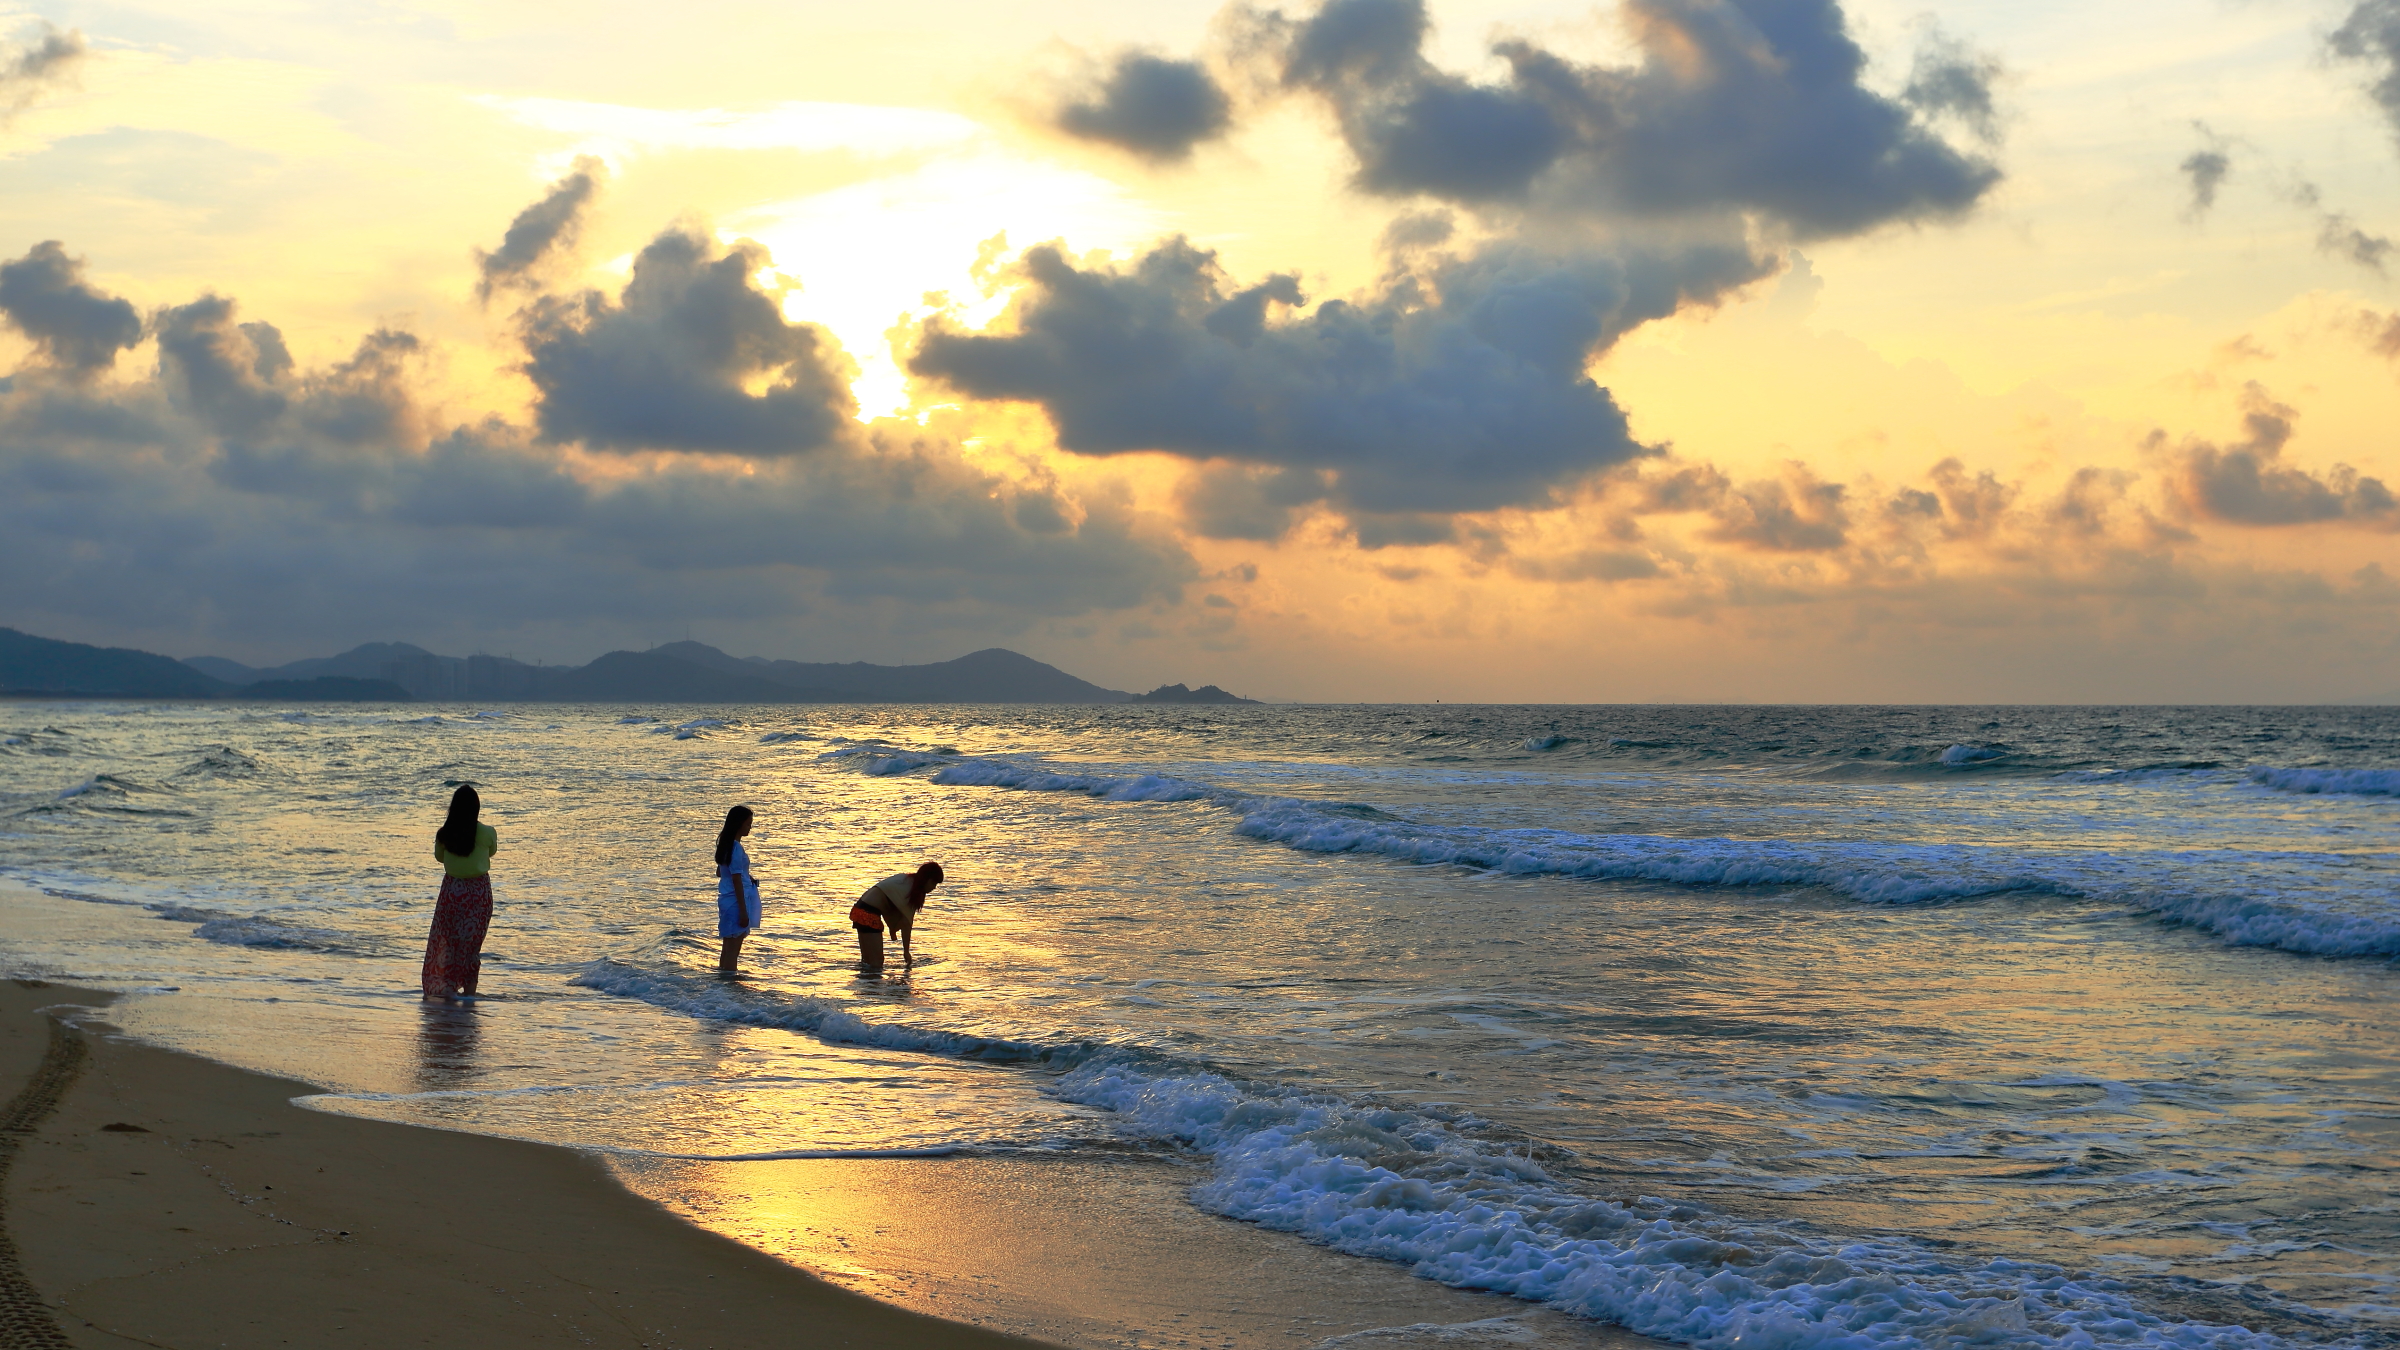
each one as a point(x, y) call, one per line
point(454, 949)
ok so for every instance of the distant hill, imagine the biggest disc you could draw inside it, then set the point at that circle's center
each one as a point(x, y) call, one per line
point(325, 689)
point(1176, 693)
point(39, 665)
point(227, 672)
point(647, 677)
point(993, 675)
point(678, 672)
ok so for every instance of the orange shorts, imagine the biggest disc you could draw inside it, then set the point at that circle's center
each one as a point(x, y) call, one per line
point(865, 918)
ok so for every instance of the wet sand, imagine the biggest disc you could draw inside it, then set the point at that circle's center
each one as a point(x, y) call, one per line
point(169, 1201)
point(232, 1216)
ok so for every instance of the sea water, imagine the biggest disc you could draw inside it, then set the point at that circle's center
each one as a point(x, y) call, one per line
point(1772, 1027)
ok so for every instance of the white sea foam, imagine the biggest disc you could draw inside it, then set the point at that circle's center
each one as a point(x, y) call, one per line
point(1385, 1183)
point(1870, 871)
point(2350, 782)
point(1971, 754)
point(716, 1001)
point(235, 931)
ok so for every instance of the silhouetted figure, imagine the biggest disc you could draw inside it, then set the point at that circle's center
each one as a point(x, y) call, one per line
point(894, 900)
point(463, 914)
point(737, 889)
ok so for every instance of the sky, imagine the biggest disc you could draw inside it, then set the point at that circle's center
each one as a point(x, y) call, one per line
point(1383, 350)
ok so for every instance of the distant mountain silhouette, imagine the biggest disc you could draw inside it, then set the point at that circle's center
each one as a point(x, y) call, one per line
point(993, 675)
point(325, 689)
point(647, 677)
point(39, 665)
point(1176, 693)
point(677, 672)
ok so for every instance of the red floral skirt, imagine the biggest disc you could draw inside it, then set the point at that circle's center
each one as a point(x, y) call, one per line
point(454, 949)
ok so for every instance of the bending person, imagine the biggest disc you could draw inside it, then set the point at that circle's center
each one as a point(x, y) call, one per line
point(737, 889)
point(463, 914)
point(894, 900)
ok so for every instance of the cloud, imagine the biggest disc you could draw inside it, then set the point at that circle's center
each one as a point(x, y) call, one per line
point(1793, 512)
point(28, 70)
point(236, 491)
point(1156, 107)
point(1951, 79)
point(2371, 34)
point(670, 365)
point(2382, 332)
point(2246, 484)
point(1457, 386)
point(2339, 235)
point(77, 329)
point(1796, 512)
point(1233, 501)
point(1737, 106)
point(228, 375)
point(2206, 169)
point(539, 230)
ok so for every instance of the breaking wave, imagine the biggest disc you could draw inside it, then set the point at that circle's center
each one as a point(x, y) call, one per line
point(1866, 871)
point(2349, 782)
point(1481, 1213)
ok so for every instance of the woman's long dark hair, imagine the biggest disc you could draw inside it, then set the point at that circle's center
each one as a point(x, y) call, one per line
point(457, 834)
point(735, 819)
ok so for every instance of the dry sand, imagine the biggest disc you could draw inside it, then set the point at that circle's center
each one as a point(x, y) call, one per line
point(232, 1217)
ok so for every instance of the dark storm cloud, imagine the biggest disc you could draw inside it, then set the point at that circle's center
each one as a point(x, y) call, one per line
point(1233, 501)
point(2371, 35)
point(539, 231)
point(669, 365)
point(1153, 106)
point(77, 328)
point(2246, 483)
point(30, 69)
point(1745, 106)
point(1459, 387)
point(228, 375)
point(2206, 168)
point(275, 501)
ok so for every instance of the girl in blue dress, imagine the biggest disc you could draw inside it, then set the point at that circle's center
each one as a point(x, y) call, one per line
point(737, 889)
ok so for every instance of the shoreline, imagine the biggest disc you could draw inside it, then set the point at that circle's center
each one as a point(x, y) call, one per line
point(234, 1214)
point(168, 1200)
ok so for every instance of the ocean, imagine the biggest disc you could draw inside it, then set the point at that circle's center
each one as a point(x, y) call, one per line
point(1738, 1026)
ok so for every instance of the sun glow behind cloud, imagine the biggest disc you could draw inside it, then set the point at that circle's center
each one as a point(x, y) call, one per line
point(868, 254)
point(862, 256)
point(2085, 349)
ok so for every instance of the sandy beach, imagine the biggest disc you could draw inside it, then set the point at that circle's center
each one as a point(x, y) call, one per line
point(167, 1200)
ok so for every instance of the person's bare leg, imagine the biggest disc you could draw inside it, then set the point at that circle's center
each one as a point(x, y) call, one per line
point(730, 957)
point(870, 949)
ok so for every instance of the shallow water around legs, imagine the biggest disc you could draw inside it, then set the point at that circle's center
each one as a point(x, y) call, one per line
point(1877, 1026)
